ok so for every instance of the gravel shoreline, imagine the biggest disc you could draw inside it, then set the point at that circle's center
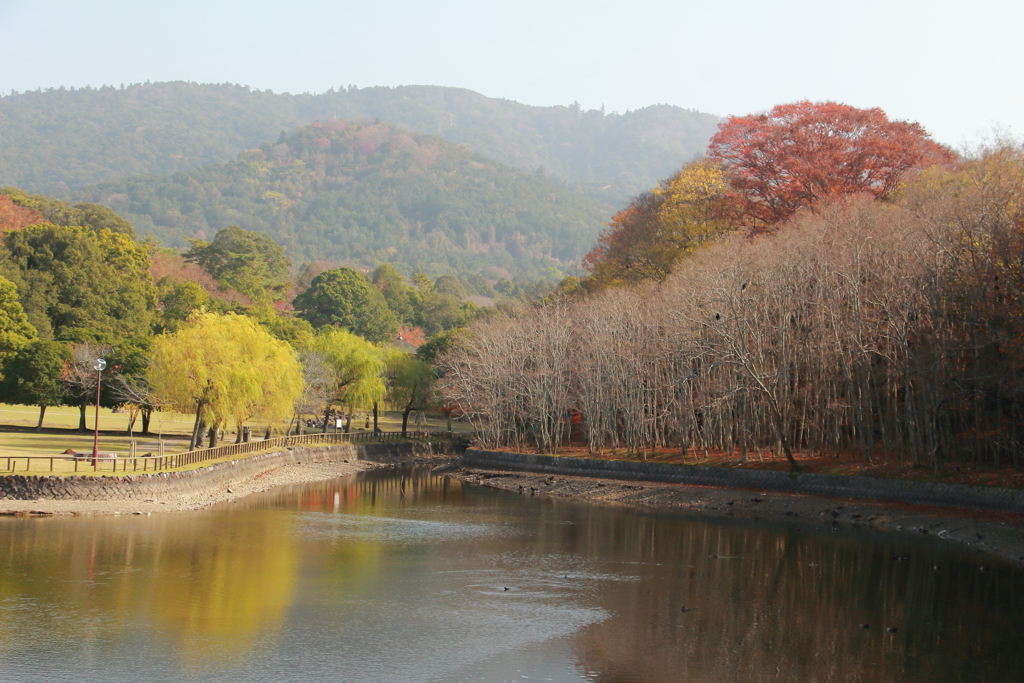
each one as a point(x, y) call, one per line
point(997, 533)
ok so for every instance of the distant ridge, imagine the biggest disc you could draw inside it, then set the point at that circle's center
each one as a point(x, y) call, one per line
point(367, 193)
point(57, 140)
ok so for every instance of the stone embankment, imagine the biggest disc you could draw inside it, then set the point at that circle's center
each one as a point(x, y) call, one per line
point(192, 489)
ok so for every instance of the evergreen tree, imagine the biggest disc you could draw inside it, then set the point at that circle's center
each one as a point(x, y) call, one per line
point(344, 298)
point(32, 377)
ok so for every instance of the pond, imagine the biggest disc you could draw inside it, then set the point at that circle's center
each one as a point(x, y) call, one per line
point(404, 576)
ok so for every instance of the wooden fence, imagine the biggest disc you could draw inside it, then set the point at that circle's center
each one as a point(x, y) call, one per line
point(178, 460)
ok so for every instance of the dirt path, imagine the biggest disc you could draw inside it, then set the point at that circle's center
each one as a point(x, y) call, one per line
point(991, 532)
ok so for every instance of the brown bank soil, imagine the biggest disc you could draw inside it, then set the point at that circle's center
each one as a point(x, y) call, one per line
point(880, 466)
point(987, 532)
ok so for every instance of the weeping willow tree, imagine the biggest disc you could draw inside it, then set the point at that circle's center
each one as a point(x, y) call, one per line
point(225, 369)
point(358, 371)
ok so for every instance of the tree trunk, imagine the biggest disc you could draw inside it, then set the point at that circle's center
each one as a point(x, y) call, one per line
point(327, 417)
point(375, 430)
point(82, 426)
point(197, 428)
point(212, 436)
point(405, 418)
point(42, 412)
point(780, 433)
point(348, 422)
point(238, 435)
point(147, 413)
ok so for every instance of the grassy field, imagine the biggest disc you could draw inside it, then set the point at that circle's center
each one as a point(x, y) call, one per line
point(67, 418)
point(16, 447)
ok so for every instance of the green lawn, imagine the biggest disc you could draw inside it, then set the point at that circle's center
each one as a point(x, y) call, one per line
point(65, 417)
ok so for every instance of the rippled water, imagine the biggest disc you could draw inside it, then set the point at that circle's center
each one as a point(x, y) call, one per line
point(406, 577)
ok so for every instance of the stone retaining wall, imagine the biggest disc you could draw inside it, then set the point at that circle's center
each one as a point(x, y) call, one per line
point(836, 486)
point(162, 484)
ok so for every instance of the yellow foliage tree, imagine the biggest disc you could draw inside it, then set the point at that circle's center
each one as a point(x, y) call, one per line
point(693, 211)
point(225, 368)
point(646, 239)
point(358, 368)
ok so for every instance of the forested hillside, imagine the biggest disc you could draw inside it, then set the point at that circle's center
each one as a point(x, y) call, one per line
point(57, 140)
point(369, 193)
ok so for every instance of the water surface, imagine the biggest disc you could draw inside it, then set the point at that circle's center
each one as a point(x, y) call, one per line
point(404, 576)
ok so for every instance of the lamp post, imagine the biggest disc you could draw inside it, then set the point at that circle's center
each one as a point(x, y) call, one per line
point(99, 365)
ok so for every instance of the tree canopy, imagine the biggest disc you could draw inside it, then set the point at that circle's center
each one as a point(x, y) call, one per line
point(248, 262)
point(355, 368)
point(402, 299)
point(15, 329)
point(225, 368)
point(76, 277)
point(646, 239)
point(46, 210)
point(800, 153)
point(344, 298)
point(410, 384)
point(33, 375)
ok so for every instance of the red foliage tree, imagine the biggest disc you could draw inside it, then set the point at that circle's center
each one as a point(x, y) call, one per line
point(798, 154)
point(14, 217)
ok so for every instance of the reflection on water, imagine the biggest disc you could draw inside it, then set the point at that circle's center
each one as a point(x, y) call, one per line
point(404, 576)
point(202, 589)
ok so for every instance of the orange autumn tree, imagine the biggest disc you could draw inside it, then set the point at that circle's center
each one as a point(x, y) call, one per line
point(799, 154)
point(646, 239)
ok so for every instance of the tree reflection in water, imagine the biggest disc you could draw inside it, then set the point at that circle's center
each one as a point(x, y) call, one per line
point(375, 578)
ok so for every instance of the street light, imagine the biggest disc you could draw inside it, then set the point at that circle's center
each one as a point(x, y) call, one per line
point(99, 365)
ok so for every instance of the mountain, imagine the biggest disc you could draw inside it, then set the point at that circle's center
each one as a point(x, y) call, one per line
point(57, 140)
point(364, 192)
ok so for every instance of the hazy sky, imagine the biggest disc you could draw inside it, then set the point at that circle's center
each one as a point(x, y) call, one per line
point(953, 66)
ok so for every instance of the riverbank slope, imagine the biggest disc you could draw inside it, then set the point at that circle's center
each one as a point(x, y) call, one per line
point(1000, 533)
